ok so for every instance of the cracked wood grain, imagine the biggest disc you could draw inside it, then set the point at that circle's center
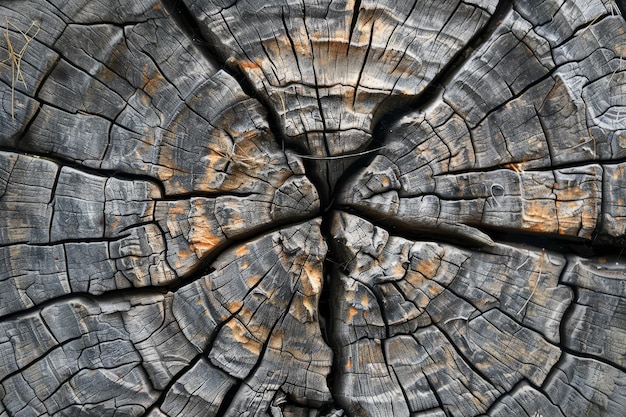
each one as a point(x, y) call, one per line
point(327, 68)
point(335, 208)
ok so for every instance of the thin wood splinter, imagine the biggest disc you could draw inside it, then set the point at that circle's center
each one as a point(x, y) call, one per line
point(543, 254)
point(16, 57)
point(330, 158)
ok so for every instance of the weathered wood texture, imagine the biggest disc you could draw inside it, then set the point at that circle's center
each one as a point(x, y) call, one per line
point(183, 231)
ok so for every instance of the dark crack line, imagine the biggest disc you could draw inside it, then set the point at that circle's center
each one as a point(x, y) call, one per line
point(208, 194)
point(61, 162)
point(363, 66)
point(551, 167)
point(445, 75)
point(156, 405)
point(325, 309)
point(560, 366)
point(550, 74)
point(516, 388)
point(188, 24)
point(442, 231)
point(436, 394)
point(113, 296)
point(44, 78)
point(229, 397)
point(58, 345)
point(564, 335)
point(116, 238)
point(191, 27)
point(293, 46)
point(621, 5)
point(392, 370)
point(355, 18)
point(317, 90)
point(231, 316)
point(596, 358)
point(465, 339)
point(204, 266)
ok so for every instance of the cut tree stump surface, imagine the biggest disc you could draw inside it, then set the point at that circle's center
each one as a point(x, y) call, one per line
point(330, 208)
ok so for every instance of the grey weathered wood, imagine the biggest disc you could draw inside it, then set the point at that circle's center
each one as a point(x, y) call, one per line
point(613, 207)
point(463, 298)
point(525, 400)
point(26, 214)
point(88, 349)
point(564, 202)
point(587, 386)
point(197, 227)
point(325, 80)
point(429, 174)
point(596, 325)
point(256, 317)
point(200, 391)
point(182, 231)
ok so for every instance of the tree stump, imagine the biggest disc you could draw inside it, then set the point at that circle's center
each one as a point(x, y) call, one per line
point(329, 208)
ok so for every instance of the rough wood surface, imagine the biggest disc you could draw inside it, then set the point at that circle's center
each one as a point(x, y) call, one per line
point(331, 208)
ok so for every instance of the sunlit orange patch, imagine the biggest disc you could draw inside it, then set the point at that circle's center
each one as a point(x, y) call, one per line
point(434, 290)
point(428, 267)
point(242, 251)
point(234, 306)
point(252, 280)
point(365, 301)
point(540, 216)
point(164, 174)
point(306, 302)
point(113, 225)
point(250, 65)
point(240, 335)
point(516, 166)
point(312, 279)
point(177, 210)
point(204, 242)
point(277, 340)
point(183, 254)
point(351, 313)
